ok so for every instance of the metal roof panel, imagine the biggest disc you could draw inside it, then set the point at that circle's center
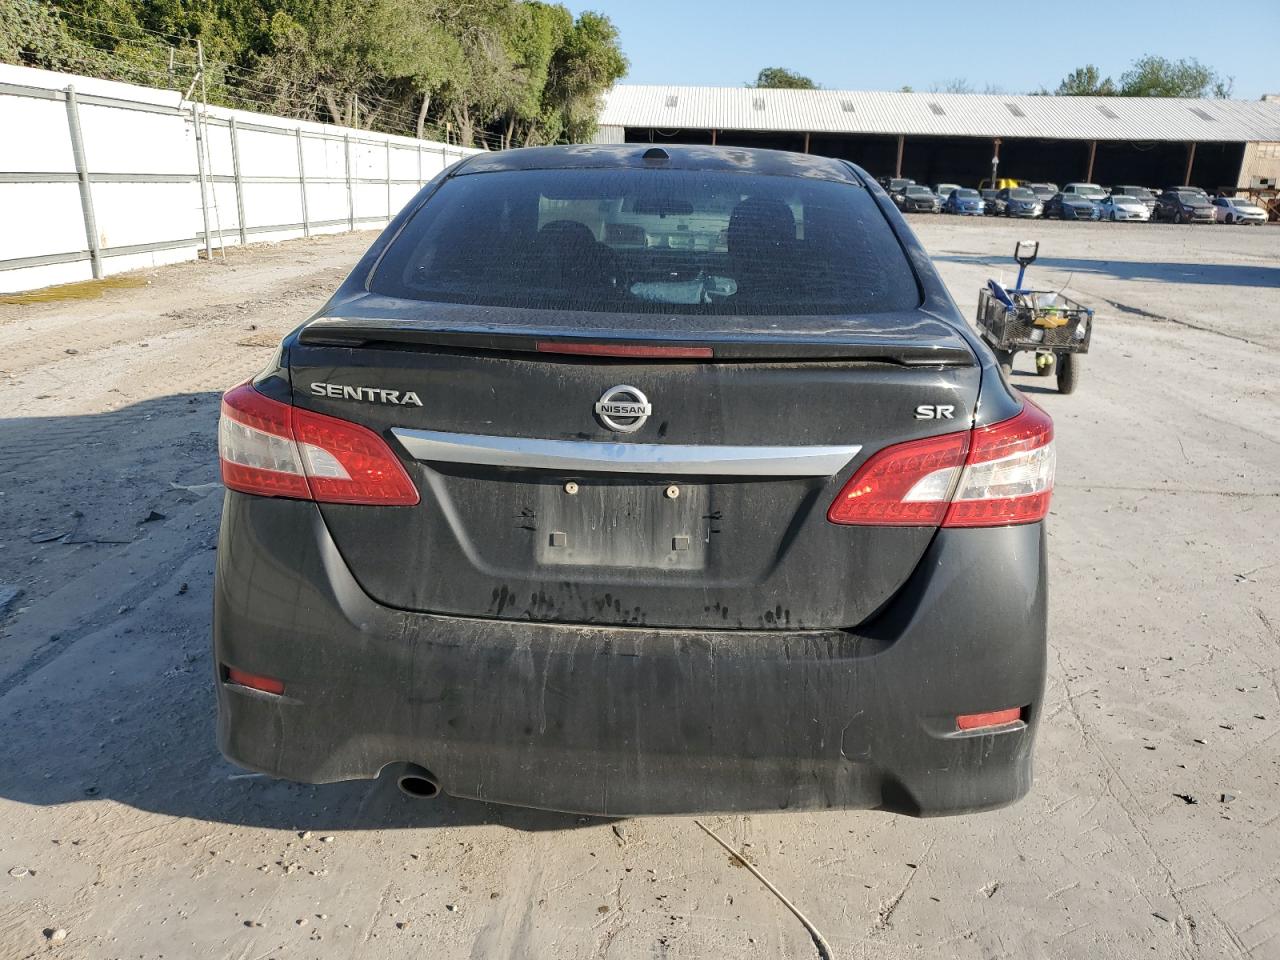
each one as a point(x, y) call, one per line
point(941, 114)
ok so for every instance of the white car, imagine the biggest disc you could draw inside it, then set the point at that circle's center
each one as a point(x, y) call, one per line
point(1119, 206)
point(1238, 210)
point(1090, 191)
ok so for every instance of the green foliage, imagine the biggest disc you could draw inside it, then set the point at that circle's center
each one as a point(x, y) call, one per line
point(586, 64)
point(781, 78)
point(1152, 76)
point(33, 35)
point(1149, 76)
point(500, 72)
point(1086, 81)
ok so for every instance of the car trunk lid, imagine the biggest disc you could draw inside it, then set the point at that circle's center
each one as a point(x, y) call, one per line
point(710, 513)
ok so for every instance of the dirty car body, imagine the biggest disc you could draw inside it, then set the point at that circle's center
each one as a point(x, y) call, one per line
point(622, 481)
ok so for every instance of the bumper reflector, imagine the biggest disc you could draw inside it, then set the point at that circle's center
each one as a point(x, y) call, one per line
point(255, 682)
point(994, 718)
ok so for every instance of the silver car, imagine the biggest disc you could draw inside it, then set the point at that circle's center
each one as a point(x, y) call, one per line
point(1119, 206)
point(1021, 202)
point(1238, 210)
point(1090, 191)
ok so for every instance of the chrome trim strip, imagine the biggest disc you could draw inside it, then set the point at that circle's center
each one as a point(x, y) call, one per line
point(667, 459)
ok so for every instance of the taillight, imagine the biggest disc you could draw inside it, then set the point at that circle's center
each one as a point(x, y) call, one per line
point(256, 448)
point(1008, 477)
point(276, 450)
point(988, 477)
point(905, 485)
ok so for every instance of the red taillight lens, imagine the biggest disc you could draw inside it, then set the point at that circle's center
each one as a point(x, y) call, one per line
point(348, 463)
point(272, 449)
point(905, 485)
point(989, 477)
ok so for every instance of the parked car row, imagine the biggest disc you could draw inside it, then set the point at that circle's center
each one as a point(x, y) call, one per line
point(1075, 201)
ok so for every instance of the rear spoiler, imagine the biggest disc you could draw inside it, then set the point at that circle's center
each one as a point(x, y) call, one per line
point(615, 345)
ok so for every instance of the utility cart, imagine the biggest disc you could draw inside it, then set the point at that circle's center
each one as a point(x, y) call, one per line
point(1053, 327)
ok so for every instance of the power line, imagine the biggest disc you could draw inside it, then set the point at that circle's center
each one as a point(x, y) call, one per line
point(63, 12)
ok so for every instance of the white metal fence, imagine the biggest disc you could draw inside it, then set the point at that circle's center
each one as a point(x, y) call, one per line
point(99, 177)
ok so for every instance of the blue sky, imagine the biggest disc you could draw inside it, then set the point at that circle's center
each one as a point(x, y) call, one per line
point(882, 45)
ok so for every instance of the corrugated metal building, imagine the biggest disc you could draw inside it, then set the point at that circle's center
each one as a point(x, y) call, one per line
point(954, 137)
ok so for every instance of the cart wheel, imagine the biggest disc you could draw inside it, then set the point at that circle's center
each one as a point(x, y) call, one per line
point(1045, 364)
point(1068, 372)
point(1005, 359)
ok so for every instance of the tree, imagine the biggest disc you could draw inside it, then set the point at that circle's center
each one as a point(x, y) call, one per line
point(496, 71)
point(587, 64)
point(1153, 76)
point(780, 78)
point(1148, 76)
point(535, 33)
point(418, 53)
point(324, 52)
point(1086, 81)
point(33, 34)
point(480, 75)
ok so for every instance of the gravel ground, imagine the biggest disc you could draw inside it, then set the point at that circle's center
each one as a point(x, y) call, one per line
point(1151, 830)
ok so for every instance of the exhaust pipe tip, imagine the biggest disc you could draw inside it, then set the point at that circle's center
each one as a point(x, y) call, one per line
point(418, 782)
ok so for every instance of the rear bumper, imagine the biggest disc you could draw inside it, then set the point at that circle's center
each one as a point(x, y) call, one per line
point(621, 721)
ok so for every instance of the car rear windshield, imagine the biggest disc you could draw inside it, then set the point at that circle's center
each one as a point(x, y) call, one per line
point(651, 241)
point(963, 193)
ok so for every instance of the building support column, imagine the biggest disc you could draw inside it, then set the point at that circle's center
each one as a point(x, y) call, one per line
point(897, 170)
point(713, 137)
point(1093, 153)
point(995, 161)
point(1191, 160)
point(806, 141)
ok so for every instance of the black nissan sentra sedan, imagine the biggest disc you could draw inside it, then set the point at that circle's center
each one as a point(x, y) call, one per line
point(633, 480)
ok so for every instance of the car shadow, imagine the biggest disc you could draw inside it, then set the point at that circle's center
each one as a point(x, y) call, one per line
point(1215, 274)
point(115, 701)
point(1026, 383)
